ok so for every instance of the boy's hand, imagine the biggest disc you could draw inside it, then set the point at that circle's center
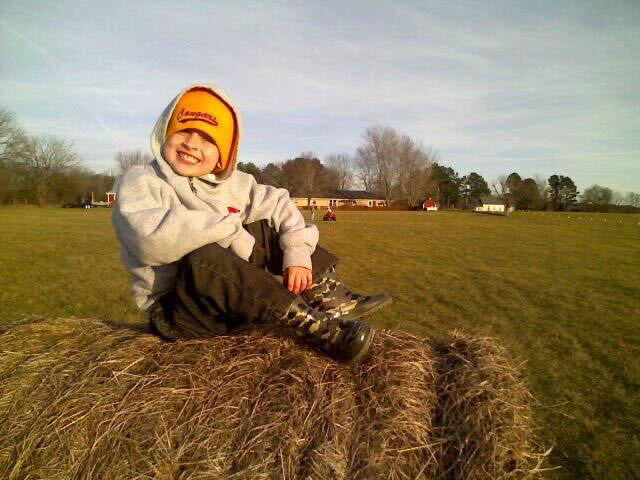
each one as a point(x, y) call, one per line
point(297, 279)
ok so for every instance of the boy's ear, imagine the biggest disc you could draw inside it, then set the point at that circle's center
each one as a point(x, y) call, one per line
point(218, 168)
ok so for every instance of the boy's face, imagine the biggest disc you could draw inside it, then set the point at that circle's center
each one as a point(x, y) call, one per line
point(191, 153)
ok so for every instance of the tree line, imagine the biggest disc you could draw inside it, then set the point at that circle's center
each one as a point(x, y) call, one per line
point(387, 163)
point(43, 169)
point(46, 170)
point(403, 172)
point(559, 193)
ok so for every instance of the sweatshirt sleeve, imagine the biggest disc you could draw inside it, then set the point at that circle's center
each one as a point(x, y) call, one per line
point(297, 239)
point(158, 229)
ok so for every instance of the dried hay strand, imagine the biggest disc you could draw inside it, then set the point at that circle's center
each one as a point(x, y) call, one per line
point(80, 399)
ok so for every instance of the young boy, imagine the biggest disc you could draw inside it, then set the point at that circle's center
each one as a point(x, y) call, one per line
point(203, 242)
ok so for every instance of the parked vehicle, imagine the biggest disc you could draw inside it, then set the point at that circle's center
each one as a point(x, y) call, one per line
point(329, 217)
point(79, 205)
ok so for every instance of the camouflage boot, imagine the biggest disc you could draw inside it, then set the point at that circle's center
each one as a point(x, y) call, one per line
point(343, 340)
point(329, 295)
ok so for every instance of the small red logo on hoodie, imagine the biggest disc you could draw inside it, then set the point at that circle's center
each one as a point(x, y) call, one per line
point(233, 210)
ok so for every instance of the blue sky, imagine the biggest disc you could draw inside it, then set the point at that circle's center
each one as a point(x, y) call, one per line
point(538, 87)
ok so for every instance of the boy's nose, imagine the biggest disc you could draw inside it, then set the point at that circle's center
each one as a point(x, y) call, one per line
point(191, 140)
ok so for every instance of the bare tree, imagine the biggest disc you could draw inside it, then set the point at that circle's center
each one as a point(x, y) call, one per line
point(126, 160)
point(617, 198)
point(499, 186)
point(43, 160)
point(543, 190)
point(364, 170)
point(42, 169)
point(12, 141)
point(7, 125)
point(310, 171)
point(9, 133)
point(413, 162)
point(342, 164)
point(305, 176)
point(597, 196)
point(633, 199)
point(380, 150)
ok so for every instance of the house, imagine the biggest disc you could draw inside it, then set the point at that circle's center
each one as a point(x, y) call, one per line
point(342, 198)
point(430, 205)
point(491, 205)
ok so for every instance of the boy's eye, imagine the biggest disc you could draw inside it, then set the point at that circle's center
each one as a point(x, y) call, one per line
point(203, 136)
point(207, 138)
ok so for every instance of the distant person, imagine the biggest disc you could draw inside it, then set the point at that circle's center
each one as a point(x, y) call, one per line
point(203, 241)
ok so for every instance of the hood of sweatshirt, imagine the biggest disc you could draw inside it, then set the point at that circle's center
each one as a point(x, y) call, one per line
point(160, 130)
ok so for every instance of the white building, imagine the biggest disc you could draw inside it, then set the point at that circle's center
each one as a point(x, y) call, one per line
point(342, 198)
point(491, 205)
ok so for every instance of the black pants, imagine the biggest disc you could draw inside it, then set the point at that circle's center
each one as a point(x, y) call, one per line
point(217, 291)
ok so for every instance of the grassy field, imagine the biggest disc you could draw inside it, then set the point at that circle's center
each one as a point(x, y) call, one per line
point(561, 291)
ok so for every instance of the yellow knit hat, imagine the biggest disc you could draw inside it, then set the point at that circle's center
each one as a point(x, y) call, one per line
point(201, 109)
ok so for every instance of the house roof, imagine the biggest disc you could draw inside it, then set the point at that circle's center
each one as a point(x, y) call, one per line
point(490, 200)
point(347, 195)
point(355, 194)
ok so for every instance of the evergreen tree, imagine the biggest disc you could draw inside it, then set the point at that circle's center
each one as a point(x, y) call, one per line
point(528, 196)
point(554, 191)
point(568, 192)
point(251, 169)
point(512, 185)
point(448, 184)
point(473, 186)
point(562, 192)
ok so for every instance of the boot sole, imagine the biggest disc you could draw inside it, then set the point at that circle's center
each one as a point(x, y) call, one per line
point(368, 311)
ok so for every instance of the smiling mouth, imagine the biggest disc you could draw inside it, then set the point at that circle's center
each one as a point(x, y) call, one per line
point(184, 157)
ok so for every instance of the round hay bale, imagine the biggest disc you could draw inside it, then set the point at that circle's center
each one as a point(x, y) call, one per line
point(483, 413)
point(81, 399)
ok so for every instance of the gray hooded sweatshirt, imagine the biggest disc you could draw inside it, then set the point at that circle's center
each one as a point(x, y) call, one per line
point(160, 216)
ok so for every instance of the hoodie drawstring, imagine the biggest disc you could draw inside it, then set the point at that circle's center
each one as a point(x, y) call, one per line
point(193, 188)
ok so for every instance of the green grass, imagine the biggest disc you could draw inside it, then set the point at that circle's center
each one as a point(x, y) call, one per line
point(561, 291)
